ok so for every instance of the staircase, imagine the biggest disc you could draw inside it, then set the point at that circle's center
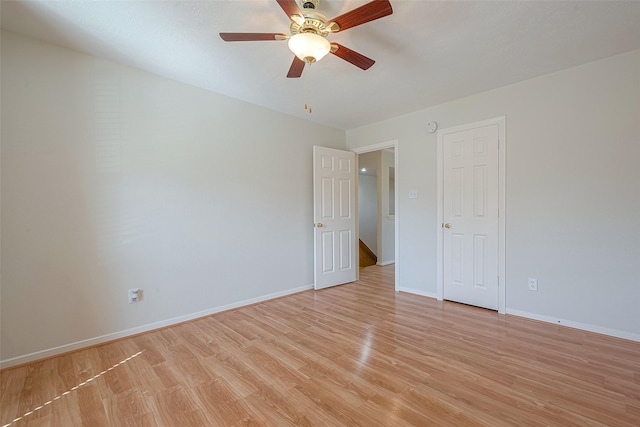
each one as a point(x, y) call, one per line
point(367, 257)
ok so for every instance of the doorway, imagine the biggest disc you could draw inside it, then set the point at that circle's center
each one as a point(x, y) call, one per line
point(368, 215)
point(377, 202)
point(471, 214)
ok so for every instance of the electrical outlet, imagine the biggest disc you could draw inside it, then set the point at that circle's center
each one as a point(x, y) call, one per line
point(533, 284)
point(134, 295)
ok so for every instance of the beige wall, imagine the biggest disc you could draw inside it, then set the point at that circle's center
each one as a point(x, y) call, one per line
point(368, 201)
point(386, 235)
point(113, 178)
point(573, 192)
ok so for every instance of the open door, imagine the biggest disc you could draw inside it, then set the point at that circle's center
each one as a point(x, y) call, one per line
point(334, 202)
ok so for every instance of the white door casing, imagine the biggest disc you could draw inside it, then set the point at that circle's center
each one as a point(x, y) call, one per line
point(471, 230)
point(334, 201)
point(381, 146)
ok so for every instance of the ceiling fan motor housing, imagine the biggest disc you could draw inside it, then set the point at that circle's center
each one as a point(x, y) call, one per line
point(311, 21)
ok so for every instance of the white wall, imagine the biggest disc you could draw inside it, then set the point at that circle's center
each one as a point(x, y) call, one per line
point(368, 211)
point(113, 178)
point(573, 192)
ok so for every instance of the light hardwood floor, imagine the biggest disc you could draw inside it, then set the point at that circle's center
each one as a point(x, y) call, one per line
point(358, 354)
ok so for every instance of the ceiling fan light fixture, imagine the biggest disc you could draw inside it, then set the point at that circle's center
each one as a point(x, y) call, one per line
point(309, 47)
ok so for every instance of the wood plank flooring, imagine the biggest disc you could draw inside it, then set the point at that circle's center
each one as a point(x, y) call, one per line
point(355, 355)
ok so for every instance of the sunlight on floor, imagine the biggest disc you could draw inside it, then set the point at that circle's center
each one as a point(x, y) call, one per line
point(73, 389)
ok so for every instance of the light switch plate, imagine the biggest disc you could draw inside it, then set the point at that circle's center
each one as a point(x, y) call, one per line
point(413, 194)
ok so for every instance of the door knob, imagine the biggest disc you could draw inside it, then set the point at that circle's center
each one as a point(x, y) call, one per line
point(319, 225)
point(447, 225)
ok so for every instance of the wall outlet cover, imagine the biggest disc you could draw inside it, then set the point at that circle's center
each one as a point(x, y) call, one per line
point(134, 295)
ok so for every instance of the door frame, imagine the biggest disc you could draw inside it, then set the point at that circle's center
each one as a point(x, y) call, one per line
point(367, 149)
point(502, 145)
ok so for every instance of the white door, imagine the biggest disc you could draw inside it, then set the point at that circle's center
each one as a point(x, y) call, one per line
point(334, 202)
point(470, 262)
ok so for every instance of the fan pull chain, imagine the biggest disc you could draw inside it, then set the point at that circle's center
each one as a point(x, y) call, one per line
point(307, 76)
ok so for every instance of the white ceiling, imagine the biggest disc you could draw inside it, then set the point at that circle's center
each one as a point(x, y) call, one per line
point(426, 52)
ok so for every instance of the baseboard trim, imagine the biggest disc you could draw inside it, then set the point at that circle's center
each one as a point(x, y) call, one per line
point(55, 351)
point(417, 292)
point(382, 264)
point(576, 325)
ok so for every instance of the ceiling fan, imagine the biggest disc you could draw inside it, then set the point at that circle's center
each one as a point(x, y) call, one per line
point(309, 30)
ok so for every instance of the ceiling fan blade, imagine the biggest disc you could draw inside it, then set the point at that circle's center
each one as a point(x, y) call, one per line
point(296, 68)
point(248, 37)
point(363, 14)
point(352, 56)
point(290, 7)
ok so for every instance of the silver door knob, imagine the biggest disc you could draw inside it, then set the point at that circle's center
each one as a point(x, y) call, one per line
point(447, 225)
